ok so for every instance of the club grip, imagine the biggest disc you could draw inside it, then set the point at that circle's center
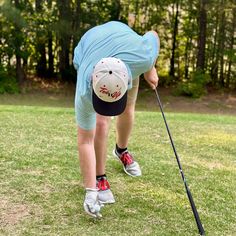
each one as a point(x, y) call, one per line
point(195, 213)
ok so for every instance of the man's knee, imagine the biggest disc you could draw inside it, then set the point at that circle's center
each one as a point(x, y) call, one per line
point(85, 136)
point(128, 112)
point(102, 122)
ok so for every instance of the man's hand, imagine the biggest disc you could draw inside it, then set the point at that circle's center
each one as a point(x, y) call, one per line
point(91, 203)
point(152, 78)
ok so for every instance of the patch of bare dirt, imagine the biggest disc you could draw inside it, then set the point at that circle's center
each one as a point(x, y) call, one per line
point(12, 213)
point(215, 102)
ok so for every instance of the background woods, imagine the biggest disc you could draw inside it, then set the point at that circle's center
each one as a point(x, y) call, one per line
point(37, 38)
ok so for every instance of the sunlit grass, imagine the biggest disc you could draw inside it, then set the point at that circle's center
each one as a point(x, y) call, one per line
point(41, 190)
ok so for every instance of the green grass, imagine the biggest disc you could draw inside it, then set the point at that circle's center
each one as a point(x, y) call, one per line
point(41, 191)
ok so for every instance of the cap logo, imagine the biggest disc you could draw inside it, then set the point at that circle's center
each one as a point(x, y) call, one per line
point(114, 95)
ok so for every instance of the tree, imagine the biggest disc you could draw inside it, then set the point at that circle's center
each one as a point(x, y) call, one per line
point(231, 50)
point(188, 34)
point(64, 37)
point(39, 37)
point(202, 22)
point(41, 67)
point(174, 38)
point(16, 41)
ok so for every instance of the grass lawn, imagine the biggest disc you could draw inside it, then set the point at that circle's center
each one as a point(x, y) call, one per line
point(41, 190)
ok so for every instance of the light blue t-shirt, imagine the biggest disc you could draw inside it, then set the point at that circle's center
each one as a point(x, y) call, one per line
point(112, 39)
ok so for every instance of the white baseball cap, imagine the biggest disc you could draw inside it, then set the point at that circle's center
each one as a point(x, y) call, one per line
point(110, 83)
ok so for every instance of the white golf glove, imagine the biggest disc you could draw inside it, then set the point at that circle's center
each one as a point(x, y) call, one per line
point(91, 204)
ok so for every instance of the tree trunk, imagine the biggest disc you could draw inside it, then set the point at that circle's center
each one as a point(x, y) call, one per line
point(41, 67)
point(20, 74)
point(50, 70)
point(115, 13)
point(222, 45)
point(231, 48)
point(136, 15)
point(174, 36)
point(50, 56)
point(202, 35)
point(187, 54)
point(214, 53)
point(64, 37)
point(77, 24)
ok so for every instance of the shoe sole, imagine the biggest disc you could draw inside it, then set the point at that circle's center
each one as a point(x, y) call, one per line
point(107, 202)
point(114, 154)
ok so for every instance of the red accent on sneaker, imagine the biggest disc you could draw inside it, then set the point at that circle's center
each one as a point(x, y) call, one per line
point(102, 184)
point(126, 158)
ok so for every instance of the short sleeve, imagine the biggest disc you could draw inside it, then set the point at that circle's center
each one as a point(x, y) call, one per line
point(154, 42)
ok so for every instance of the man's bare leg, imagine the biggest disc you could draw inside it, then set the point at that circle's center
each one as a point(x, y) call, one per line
point(100, 142)
point(102, 129)
point(87, 157)
point(124, 125)
point(124, 122)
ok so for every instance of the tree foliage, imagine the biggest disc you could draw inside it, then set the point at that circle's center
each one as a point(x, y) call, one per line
point(197, 36)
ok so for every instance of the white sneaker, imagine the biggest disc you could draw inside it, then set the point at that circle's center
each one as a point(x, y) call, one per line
point(105, 195)
point(91, 204)
point(130, 166)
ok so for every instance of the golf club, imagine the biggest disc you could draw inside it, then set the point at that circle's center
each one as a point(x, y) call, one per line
point(194, 209)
